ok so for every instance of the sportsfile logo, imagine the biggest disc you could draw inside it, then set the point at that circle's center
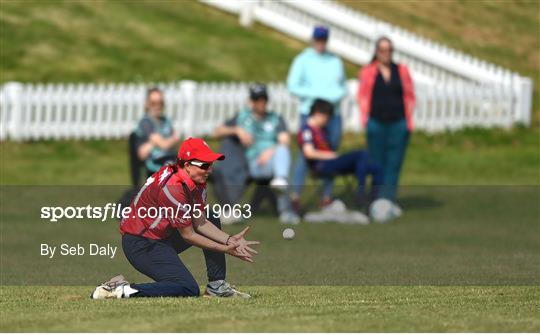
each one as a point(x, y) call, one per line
point(116, 211)
point(110, 210)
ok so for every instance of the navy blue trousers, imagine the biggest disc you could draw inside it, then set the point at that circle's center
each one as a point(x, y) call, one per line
point(356, 163)
point(158, 259)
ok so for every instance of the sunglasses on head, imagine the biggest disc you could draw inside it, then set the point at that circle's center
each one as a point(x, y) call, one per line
point(201, 165)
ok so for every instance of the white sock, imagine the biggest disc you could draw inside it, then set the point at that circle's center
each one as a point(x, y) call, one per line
point(128, 291)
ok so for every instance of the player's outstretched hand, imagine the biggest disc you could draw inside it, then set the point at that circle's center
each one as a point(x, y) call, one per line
point(243, 256)
point(243, 246)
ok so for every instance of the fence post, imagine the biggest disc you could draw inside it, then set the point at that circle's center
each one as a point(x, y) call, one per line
point(523, 90)
point(188, 90)
point(13, 92)
point(247, 10)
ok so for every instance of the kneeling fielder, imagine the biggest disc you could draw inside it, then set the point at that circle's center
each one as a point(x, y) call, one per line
point(152, 245)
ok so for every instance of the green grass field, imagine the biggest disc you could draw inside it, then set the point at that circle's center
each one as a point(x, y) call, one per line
point(464, 257)
point(468, 157)
point(450, 264)
point(286, 309)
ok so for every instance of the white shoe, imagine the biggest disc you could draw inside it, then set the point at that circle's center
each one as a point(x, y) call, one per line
point(115, 288)
point(279, 184)
point(347, 217)
point(106, 292)
point(222, 289)
point(289, 217)
point(396, 210)
point(381, 210)
point(357, 218)
point(335, 207)
point(315, 217)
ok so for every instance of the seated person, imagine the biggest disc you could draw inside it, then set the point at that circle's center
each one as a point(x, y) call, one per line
point(264, 135)
point(323, 162)
point(156, 140)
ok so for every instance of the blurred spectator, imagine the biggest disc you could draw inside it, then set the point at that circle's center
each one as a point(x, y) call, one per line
point(264, 135)
point(386, 99)
point(325, 162)
point(155, 137)
point(317, 73)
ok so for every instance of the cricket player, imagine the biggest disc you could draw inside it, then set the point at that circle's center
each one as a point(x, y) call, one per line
point(152, 244)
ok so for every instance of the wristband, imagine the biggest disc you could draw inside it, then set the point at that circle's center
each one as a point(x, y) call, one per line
point(228, 238)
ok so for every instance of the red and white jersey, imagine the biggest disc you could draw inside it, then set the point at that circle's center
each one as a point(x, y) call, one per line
point(164, 203)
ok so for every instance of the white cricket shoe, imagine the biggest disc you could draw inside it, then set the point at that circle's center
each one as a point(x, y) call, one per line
point(112, 289)
point(279, 184)
point(105, 292)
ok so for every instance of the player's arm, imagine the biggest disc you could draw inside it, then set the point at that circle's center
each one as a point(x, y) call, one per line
point(198, 240)
point(311, 153)
point(206, 228)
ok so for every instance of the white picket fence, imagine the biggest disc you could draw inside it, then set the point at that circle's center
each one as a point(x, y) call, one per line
point(84, 111)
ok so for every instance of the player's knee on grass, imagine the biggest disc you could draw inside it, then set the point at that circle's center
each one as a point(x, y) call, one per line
point(184, 289)
point(191, 288)
point(193, 291)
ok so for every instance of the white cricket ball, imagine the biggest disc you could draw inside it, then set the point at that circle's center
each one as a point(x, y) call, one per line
point(288, 234)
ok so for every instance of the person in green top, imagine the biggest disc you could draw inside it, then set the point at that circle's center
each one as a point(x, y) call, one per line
point(264, 135)
point(156, 140)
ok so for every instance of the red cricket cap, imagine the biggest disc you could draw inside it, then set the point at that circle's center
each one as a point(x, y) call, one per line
point(198, 149)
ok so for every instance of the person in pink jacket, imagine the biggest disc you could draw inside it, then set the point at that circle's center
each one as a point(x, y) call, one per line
point(386, 100)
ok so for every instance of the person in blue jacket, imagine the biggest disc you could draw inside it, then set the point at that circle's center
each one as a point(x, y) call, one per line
point(314, 74)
